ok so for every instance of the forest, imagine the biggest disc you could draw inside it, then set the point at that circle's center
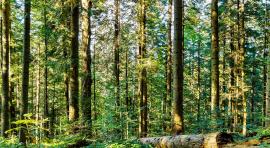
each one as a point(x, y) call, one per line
point(135, 73)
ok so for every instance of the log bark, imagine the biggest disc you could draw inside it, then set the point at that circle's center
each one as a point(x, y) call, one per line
point(212, 140)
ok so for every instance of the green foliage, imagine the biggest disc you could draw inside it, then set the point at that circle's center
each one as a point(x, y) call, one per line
point(32, 127)
point(262, 131)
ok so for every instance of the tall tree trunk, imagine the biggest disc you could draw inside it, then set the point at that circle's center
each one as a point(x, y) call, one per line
point(18, 100)
point(1, 27)
point(5, 69)
point(66, 83)
point(267, 103)
point(38, 95)
point(231, 107)
point(253, 82)
point(167, 103)
point(117, 62)
point(53, 115)
point(66, 45)
point(1, 41)
point(199, 82)
point(12, 102)
point(26, 61)
point(94, 81)
point(264, 85)
point(126, 83)
point(224, 98)
point(143, 72)
point(266, 44)
point(31, 106)
point(74, 82)
point(46, 108)
point(178, 124)
point(241, 64)
point(12, 99)
point(116, 51)
point(86, 81)
point(214, 62)
point(128, 101)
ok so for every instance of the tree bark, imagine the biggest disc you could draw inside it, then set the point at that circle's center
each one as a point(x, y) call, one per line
point(38, 95)
point(86, 81)
point(241, 64)
point(214, 62)
point(116, 51)
point(213, 140)
point(12, 99)
point(266, 44)
point(178, 124)
point(5, 69)
point(74, 82)
point(143, 72)
point(53, 112)
point(128, 101)
point(94, 81)
point(253, 81)
point(126, 81)
point(199, 82)
point(12, 102)
point(46, 106)
point(167, 103)
point(117, 62)
point(231, 107)
point(66, 46)
point(267, 103)
point(1, 41)
point(26, 61)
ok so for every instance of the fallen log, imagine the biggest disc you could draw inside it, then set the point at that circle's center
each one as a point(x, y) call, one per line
point(212, 140)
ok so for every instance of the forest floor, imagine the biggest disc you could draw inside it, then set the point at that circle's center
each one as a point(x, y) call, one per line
point(77, 140)
point(255, 141)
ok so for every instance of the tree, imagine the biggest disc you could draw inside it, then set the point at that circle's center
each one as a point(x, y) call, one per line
point(46, 106)
point(66, 46)
point(116, 51)
point(38, 92)
point(267, 103)
point(199, 80)
point(94, 81)
point(5, 69)
point(116, 58)
point(266, 44)
point(178, 67)
point(241, 64)
point(143, 71)
point(26, 61)
point(167, 102)
point(86, 80)
point(231, 105)
point(74, 82)
point(214, 61)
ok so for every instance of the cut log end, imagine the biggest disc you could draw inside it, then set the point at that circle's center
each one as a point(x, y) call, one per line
point(217, 139)
point(224, 138)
